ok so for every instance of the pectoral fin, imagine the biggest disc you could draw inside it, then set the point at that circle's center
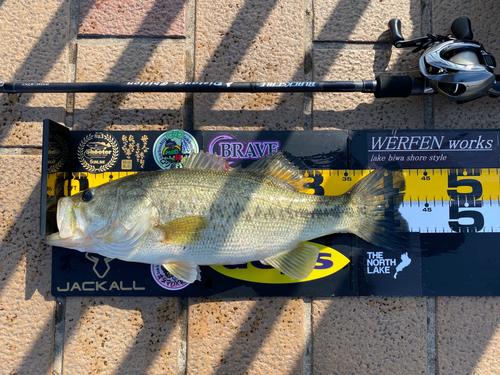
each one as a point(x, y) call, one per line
point(183, 231)
point(297, 263)
point(185, 271)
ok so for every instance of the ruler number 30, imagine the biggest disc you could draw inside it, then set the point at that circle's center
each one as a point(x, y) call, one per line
point(464, 216)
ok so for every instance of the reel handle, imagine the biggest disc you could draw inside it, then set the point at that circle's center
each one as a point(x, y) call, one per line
point(461, 28)
point(399, 41)
point(396, 34)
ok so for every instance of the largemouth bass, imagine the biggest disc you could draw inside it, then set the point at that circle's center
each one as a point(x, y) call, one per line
point(208, 213)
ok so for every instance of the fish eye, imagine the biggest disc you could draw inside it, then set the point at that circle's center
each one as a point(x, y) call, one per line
point(87, 195)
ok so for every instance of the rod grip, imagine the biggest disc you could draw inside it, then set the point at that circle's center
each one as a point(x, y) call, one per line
point(395, 28)
point(397, 86)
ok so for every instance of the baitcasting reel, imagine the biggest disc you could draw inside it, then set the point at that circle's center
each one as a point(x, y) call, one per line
point(453, 65)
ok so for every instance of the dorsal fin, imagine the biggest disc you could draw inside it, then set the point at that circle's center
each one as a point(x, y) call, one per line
point(282, 166)
point(203, 160)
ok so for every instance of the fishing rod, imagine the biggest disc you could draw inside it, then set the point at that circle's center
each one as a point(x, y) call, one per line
point(454, 65)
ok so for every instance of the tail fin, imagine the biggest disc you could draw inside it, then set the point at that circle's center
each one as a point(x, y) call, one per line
point(381, 223)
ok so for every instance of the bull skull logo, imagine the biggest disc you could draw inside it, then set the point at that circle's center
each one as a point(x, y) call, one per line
point(95, 260)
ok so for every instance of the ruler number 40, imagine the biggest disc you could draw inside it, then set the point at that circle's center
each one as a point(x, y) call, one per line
point(464, 216)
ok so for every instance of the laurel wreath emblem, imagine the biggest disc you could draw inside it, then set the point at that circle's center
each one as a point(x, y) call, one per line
point(102, 168)
point(64, 152)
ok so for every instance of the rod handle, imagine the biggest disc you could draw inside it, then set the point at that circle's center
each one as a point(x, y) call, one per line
point(398, 86)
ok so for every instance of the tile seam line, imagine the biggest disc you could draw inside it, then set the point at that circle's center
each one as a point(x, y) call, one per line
point(59, 318)
point(427, 29)
point(431, 336)
point(190, 55)
point(307, 351)
point(20, 151)
point(331, 44)
point(183, 343)
point(308, 98)
point(72, 60)
point(130, 40)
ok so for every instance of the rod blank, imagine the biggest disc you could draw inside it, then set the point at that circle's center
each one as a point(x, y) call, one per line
point(384, 86)
point(368, 86)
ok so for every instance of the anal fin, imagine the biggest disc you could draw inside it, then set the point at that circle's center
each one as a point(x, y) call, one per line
point(297, 263)
point(185, 271)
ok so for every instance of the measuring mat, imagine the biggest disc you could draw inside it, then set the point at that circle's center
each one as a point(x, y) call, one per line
point(451, 203)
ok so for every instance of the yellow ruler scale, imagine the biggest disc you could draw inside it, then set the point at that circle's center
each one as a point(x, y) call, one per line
point(431, 183)
point(421, 184)
point(434, 184)
point(435, 200)
point(334, 182)
point(77, 181)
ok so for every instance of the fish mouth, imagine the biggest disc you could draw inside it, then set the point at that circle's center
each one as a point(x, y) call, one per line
point(70, 223)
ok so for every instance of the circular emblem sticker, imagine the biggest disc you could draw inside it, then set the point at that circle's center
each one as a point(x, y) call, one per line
point(172, 148)
point(58, 152)
point(98, 152)
point(165, 279)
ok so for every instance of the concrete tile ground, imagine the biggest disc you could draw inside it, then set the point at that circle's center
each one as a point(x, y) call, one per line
point(26, 306)
point(367, 19)
point(145, 62)
point(130, 17)
point(369, 335)
point(229, 48)
point(253, 336)
point(37, 52)
point(86, 40)
point(468, 335)
point(121, 335)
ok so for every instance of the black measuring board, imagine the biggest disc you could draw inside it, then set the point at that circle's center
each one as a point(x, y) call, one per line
point(451, 204)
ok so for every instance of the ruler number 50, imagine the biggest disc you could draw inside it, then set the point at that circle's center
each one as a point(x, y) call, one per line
point(463, 216)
